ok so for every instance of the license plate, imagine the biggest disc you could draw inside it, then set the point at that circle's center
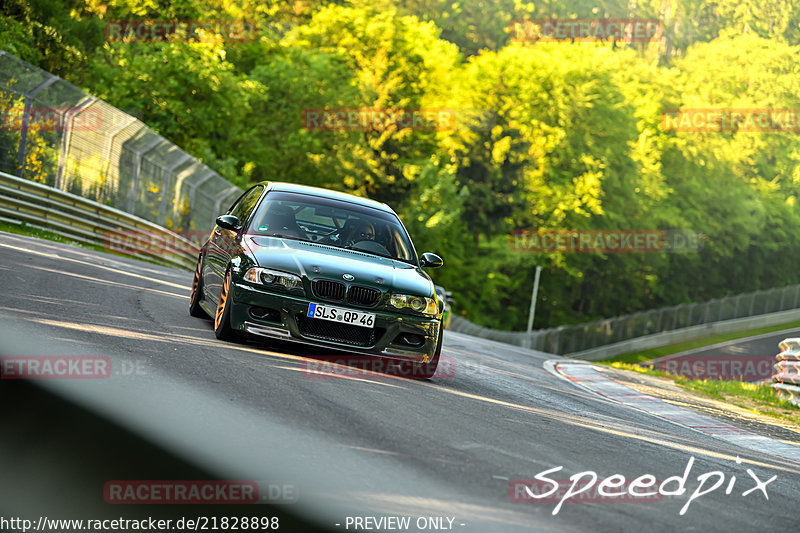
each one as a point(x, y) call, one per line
point(343, 316)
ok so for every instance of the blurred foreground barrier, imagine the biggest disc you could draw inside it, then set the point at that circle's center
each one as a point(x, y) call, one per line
point(786, 379)
point(89, 222)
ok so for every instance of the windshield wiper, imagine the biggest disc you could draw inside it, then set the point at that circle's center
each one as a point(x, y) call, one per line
point(281, 236)
point(371, 253)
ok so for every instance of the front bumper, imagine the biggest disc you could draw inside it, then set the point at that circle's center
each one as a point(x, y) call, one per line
point(293, 325)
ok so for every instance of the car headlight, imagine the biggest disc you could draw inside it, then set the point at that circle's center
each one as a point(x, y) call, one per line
point(419, 304)
point(274, 279)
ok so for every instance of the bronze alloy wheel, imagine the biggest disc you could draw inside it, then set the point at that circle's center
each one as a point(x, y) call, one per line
point(197, 287)
point(222, 320)
point(223, 299)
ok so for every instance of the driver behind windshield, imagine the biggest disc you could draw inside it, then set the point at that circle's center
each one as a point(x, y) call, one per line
point(359, 231)
point(333, 223)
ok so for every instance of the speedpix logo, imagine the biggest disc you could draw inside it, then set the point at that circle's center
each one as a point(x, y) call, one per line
point(646, 487)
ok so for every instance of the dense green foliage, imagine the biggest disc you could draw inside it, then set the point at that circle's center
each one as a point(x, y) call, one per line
point(549, 135)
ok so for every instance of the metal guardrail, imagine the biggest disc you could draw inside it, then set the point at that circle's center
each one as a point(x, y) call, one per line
point(89, 222)
point(565, 340)
point(462, 325)
point(786, 379)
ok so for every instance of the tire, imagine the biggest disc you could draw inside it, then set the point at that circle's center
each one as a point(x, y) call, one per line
point(197, 290)
point(222, 317)
point(427, 370)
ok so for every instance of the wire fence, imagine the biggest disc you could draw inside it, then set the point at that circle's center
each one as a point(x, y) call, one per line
point(53, 133)
point(565, 340)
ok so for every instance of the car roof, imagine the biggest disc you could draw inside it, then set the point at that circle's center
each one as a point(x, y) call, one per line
point(325, 193)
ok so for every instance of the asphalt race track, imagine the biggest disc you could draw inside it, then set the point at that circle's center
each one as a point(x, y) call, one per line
point(761, 345)
point(350, 445)
point(757, 348)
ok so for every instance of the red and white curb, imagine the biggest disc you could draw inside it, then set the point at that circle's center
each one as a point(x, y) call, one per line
point(597, 380)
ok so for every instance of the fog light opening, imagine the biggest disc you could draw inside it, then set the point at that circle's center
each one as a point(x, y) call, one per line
point(261, 313)
point(410, 339)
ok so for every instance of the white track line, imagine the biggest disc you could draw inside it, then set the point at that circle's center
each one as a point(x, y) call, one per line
point(594, 379)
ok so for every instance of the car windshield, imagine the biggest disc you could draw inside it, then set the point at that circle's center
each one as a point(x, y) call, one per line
point(334, 223)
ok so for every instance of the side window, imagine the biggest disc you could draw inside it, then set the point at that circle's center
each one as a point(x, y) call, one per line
point(245, 204)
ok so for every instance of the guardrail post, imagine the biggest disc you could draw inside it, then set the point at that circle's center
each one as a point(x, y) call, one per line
point(167, 178)
point(582, 345)
point(558, 347)
point(66, 139)
point(194, 186)
point(23, 134)
point(179, 186)
point(767, 310)
point(110, 136)
point(26, 119)
point(137, 164)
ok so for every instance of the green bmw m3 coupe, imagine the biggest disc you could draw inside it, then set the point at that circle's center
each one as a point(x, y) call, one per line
point(324, 268)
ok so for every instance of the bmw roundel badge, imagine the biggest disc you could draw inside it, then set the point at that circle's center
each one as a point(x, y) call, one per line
point(348, 277)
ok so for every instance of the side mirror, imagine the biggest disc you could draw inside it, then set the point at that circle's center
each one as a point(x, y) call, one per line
point(429, 260)
point(229, 222)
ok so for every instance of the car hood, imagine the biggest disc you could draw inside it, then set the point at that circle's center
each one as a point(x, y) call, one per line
point(314, 261)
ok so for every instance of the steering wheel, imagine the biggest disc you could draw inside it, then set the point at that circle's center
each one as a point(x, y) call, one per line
point(328, 238)
point(369, 245)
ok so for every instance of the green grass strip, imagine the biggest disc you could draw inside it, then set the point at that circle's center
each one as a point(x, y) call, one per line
point(754, 397)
